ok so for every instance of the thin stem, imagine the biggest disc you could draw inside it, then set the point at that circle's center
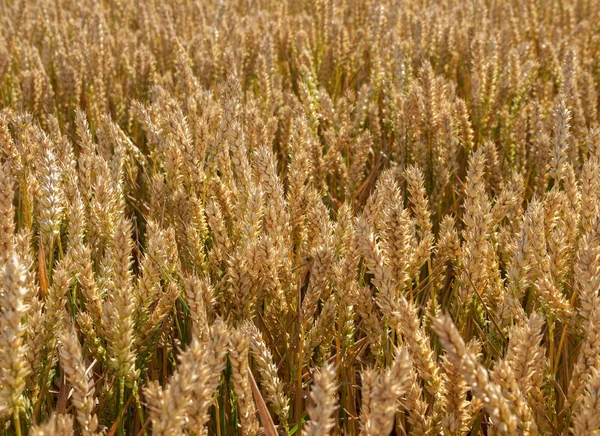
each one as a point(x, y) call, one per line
point(60, 248)
point(218, 420)
point(50, 259)
point(121, 395)
point(140, 410)
point(17, 421)
point(42, 393)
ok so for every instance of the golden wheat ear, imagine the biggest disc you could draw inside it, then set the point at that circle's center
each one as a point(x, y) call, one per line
point(56, 425)
point(323, 395)
point(78, 376)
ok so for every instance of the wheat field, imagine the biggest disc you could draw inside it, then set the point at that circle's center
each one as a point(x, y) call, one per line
point(299, 217)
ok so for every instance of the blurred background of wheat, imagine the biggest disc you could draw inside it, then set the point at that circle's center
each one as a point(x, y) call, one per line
point(299, 217)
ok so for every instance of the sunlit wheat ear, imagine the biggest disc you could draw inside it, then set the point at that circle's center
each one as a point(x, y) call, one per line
point(56, 425)
point(57, 295)
point(119, 305)
point(147, 338)
point(71, 360)
point(518, 273)
point(377, 265)
point(476, 375)
point(525, 351)
point(509, 200)
point(34, 343)
point(593, 142)
point(587, 271)
point(149, 282)
point(13, 310)
point(276, 213)
point(276, 394)
point(366, 309)
point(322, 331)
point(454, 407)
point(7, 219)
point(221, 242)
point(504, 376)
point(238, 356)
point(51, 200)
point(81, 257)
point(477, 220)
point(368, 379)
point(105, 204)
point(418, 199)
point(397, 240)
point(587, 359)
point(269, 255)
point(382, 394)
point(168, 407)
point(197, 292)
point(318, 286)
point(586, 421)
point(79, 254)
point(202, 396)
point(448, 244)
point(416, 408)
point(590, 190)
point(406, 320)
point(323, 395)
point(561, 117)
